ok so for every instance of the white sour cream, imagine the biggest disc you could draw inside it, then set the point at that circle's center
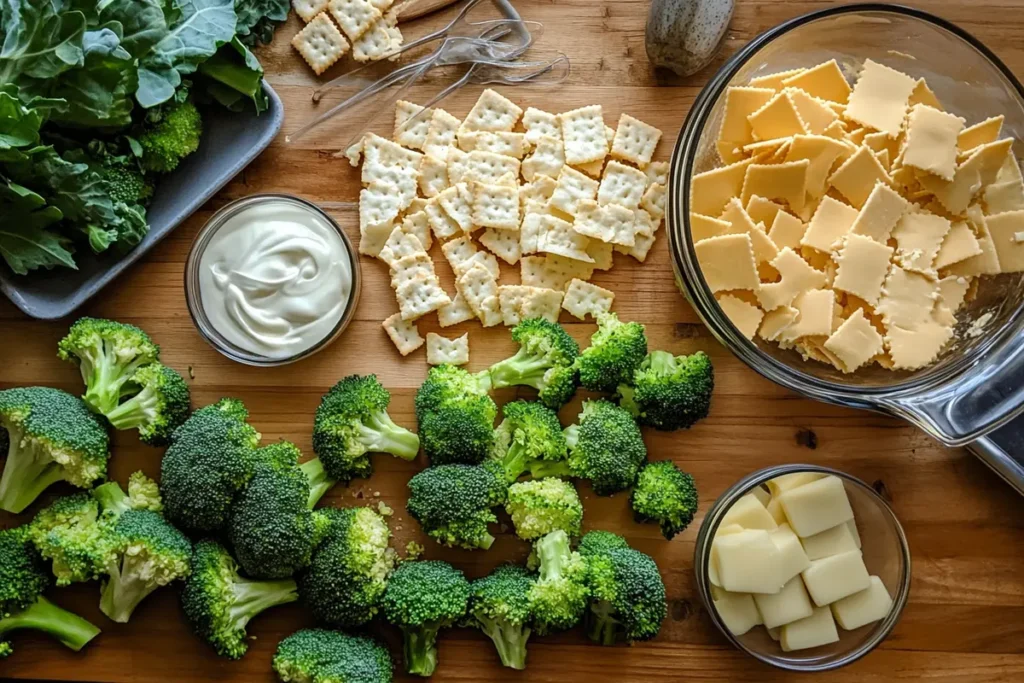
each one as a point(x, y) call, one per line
point(275, 279)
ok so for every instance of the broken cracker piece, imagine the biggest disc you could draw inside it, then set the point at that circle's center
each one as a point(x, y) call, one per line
point(441, 350)
point(403, 334)
point(584, 298)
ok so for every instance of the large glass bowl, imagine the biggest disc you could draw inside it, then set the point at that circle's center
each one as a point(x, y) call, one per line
point(978, 382)
point(886, 555)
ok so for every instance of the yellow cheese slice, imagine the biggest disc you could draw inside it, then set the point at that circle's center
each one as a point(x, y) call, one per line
point(952, 290)
point(932, 141)
point(774, 81)
point(980, 169)
point(922, 94)
point(814, 113)
point(703, 227)
point(729, 152)
point(1004, 196)
point(776, 321)
point(786, 181)
point(829, 225)
point(745, 316)
point(980, 134)
point(727, 262)
point(880, 98)
point(778, 118)
point(863, 264)
point(858, 175)
point(915, 348)
point(762, 210)
point(880, 214)
point(740, 222)
point(919, 235)
point(855, 136)
point(768, 151)
point(822, 152)
point(1010, 170)
point(824, 81)
point(985, 263)
point(739, 104)
point(814, 317)
point(709, 191)
point(787, 230)
point(1007, 231)
point(855, 343)
point(907, 298)
point(795, 276)
point(837, 130)
point(880, 141)
point(959, 244)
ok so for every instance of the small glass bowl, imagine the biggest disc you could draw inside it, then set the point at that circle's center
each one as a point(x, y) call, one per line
point(194, 299)
point(886, 554)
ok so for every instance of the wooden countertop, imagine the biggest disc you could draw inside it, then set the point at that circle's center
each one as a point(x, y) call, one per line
point(965, 620)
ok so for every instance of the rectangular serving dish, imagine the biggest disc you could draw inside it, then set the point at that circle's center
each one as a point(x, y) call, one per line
point(230, 141)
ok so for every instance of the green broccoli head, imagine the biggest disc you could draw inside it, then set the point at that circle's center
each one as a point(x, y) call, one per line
point(170, 134)
point(530, 439)
point(210, 459)
point(628, 596)
point(159, 403)
point(606, 447)
point(421, 598)
point(107, 353)
point(68, 534)
point(544, 361)
point(455, 416)
point(349, 570)
point(540, 506)
point(52, 436)
point(499, 605)
point(598, 542)
point(316, 655)
point(453, 503)
point(352, 422)
point(558, 599)
point(23, 579)
point(219, 603)
point(670, 392)
point(125, 181)
point(665, 495)
point(615, 352)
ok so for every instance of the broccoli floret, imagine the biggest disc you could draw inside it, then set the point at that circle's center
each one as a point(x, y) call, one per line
point(52, 437)
point(453, 503)
point(559, 597)
point(666, 495)
point(159, 405)
point(315, 655)
point(530, 439)
point(605, 447)
point(219, 603)
point(598, 542)
point(544, 361)
point(352, 422)
point(144, 551)
point(670, 392)
point(107, 353)
point(23, 578)
point(456, 415)
point(615, 352)
point(423, 597)
point(272, 528)
point(540, 506)
point(349, 570)
point(211, 458)
point(172, 133)
point(628, 597)
point(499, 605)
point(124, 181)
point(68, 534)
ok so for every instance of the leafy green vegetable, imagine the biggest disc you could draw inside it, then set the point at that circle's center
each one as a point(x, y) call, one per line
point(234, 74)
point(257, 19)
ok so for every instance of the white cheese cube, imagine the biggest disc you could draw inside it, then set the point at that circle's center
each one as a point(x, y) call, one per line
point(785, 482)
point(833, 578)
point(788, 605)
point(774, 508)
point(748, 562)
point(867, 606)
point(814, 631)
point(792, 558)
point(750, 513)
point(737, 610)
point(762, 495)
point(812, 508)
point(774, 633)
point(712, 560)
point(852, 526)
point(829, 542)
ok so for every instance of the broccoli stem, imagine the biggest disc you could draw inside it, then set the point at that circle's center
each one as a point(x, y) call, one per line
point(111, 498)
point(524, 368)
point(550, 468)
point(382, 435)
point(552, 552)
point(28, 472)
point(104, 379)
point(70, 629)
point(662, 361)
point(125, 588)
point(509, 640)
point(139, 410)
point(627, 401)
point(420, 648)
point(319, 482)
point(572, 435)
point(253, 597)
point(601, 625)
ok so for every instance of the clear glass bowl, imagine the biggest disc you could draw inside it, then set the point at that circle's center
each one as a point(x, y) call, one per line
point(194, 299)
point(978, 383)
point(886, 554)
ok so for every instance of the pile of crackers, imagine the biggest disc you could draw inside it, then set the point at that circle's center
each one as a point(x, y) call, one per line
point(371, 29)
point(554, 194)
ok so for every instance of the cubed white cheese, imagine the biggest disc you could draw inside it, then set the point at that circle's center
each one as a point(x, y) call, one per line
point(762, 494)
point(750, 513)
point(817, 506)
point(833, 578)
point(749, 562)
point(788, 605)
point(792, 558)
point(785, 482)
point(774, 508)
point(814, 631)
point(832, 541)
point(737, 610)
point(712, 560)
point(867, 606)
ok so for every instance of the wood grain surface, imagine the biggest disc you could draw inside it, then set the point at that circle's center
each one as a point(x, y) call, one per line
point(965, 620)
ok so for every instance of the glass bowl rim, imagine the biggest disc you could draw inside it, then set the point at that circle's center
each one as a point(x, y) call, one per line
point(684, 256)
point(193, 298)
point(713, 519)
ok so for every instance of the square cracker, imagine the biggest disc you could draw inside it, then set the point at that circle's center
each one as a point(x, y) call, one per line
point(653, 201)
point(558, 237)
point(534, 195)
point(320, 43)
point(433, 176)
point(657, 172)
point(601, 252)
point(379, 205)
point(495, 206)
point(458, 252)
point(416, 223)
point(492, 112)
point(543, 303)
point(442, 350)
point(307, 9)
point(408, 132)
point(571, 188)
point(529, 232)
point(414, 266)
point(583, 298)
point(454, 313)
point(552, 272)
point(510, 302)
point(495, 142)
point(403, 334)
point(487, 167)
point(609, 223)
point(354, 17)
point(440, 134)
point(583, 134)
point(399, 245)
point(635, 140)
point(441, 223)
point(420, 296)
point(377, 42)
point(503, 243)
point(457, 203)
point(621, 184)
point(477, 285)
point(547, 159)
point(539, 123)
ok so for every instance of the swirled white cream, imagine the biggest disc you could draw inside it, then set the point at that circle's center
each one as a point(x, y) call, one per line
point(275, 279)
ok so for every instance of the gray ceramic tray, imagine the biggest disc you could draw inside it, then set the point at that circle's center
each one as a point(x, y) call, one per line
point(230, 141)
